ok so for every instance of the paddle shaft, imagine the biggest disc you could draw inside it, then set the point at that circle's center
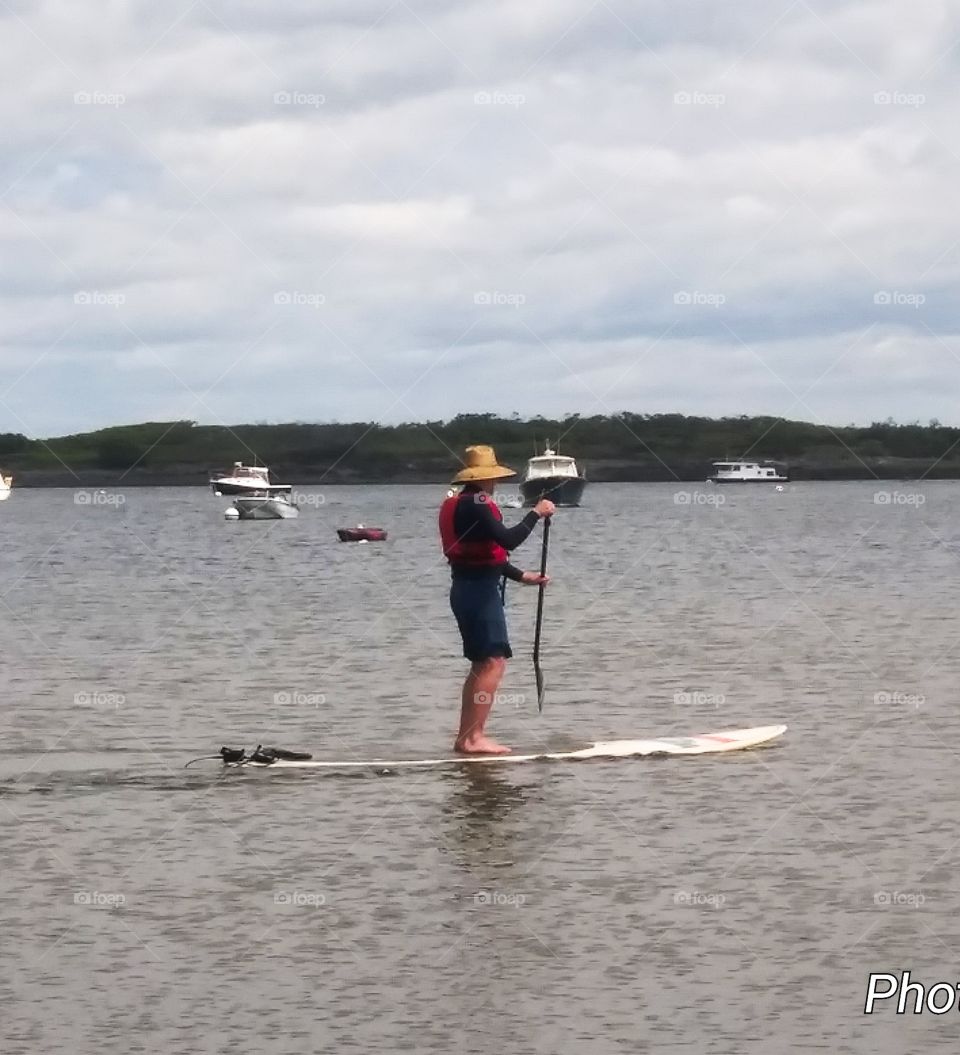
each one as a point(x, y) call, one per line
point(536, 637)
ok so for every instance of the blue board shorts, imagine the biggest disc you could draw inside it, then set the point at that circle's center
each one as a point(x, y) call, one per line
point(480, 616)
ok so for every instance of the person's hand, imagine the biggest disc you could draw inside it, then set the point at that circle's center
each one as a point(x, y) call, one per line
point(534, 578)
point(545, 508)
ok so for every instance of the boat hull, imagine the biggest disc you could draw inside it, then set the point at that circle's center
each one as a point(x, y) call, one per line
point(223, 487)
point(561, 490)
point(361, 534)
point(265, 509)
point(748, 480)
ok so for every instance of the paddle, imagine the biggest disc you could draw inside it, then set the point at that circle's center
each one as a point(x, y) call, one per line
point(536, 637)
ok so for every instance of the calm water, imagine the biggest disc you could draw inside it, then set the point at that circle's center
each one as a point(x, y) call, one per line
point(712, 905)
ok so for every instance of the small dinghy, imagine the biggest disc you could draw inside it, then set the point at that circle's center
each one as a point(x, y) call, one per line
point(361, 534)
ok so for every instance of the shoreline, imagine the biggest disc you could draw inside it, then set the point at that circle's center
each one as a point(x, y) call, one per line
point(678, 474)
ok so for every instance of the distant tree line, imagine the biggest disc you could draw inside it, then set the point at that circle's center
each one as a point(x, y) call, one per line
point(616, 446)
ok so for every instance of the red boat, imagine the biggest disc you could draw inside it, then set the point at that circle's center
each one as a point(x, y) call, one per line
point(362, 534)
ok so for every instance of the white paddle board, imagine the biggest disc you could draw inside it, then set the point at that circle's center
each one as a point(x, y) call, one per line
point(706, 744)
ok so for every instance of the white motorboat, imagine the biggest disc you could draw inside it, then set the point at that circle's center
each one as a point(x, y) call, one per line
point(744, 472)
point(268, 503)
point(243, 480)
point(554, 476)
point(6, 486)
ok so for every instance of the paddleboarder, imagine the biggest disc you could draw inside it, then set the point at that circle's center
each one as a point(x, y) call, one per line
point(477, 544)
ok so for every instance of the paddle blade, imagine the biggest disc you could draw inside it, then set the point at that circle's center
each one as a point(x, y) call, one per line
point(540, 689)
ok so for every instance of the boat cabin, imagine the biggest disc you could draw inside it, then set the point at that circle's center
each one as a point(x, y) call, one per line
point(249, 472)
point(551, 464)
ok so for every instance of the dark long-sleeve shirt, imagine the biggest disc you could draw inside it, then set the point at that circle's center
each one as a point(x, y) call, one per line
point(474, 521)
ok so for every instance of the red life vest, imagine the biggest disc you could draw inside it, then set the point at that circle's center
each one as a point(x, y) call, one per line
point(480, 553)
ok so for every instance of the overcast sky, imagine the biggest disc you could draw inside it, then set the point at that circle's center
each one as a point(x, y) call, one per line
point(369, 210)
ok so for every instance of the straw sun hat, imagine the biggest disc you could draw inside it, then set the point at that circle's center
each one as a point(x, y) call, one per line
point(480, 463)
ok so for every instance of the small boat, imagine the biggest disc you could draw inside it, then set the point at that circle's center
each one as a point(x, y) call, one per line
point(744, 472)
point(269, 503)
point(6, 485)
point(361, 534)
point(243, 480)
point(554, 476)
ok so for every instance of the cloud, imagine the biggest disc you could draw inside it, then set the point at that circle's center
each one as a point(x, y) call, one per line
point(235, 212)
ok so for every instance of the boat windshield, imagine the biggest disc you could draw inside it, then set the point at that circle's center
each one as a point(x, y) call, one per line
point(552, 463)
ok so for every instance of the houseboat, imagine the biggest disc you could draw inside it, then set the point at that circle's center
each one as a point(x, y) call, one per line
point(744, 472)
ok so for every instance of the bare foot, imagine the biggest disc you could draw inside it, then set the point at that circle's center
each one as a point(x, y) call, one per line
point(479, 745)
